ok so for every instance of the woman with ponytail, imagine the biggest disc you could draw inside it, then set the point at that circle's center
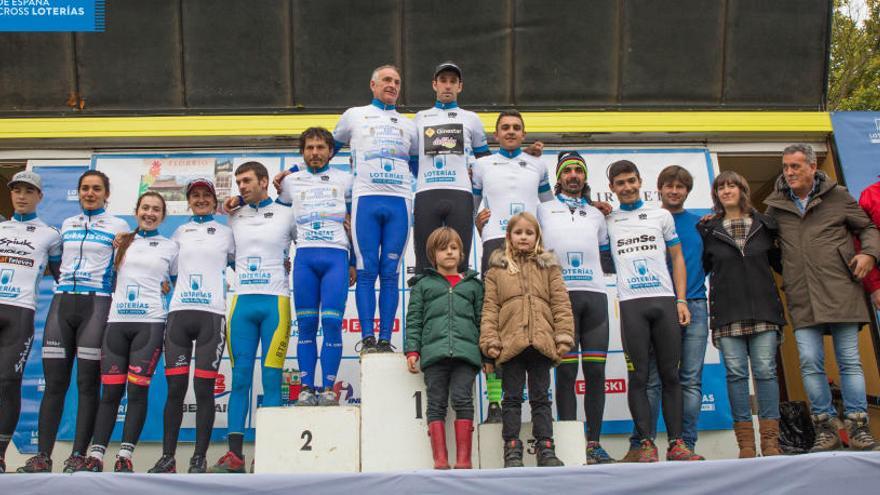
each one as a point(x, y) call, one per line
point(146, 262)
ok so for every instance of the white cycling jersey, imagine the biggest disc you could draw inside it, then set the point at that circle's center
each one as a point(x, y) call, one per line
point(206, 249)
point(320, 200)
point(87, 253)
point(150, 260)
point(639, 236)
point(509, 183)
point(382, 143)
point(576, 237)
point(448, 139)
point(27, 244)
point(263, 233)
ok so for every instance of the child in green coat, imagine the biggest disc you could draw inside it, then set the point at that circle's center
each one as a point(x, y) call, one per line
point(443, 332)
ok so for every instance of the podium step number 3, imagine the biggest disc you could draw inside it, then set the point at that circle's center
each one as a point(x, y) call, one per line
point(307, 440)
point(568, 436)
point(394, 429)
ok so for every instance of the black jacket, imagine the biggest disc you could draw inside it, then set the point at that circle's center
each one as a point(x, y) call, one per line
point(741, 284)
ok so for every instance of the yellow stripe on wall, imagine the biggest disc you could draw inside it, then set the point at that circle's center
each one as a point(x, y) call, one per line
point(293, 125)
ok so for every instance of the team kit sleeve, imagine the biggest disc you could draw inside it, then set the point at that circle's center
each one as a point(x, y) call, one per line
point(172, 262)
point(668, 225)
point(544, 192)
point(477, 185)
point(342, 131)
point(604, 241)
point(413, 149)
point(55, 245)
point(478, 137)
point(285, 197)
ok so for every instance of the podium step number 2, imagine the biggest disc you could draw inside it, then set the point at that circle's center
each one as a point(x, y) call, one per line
point(394, 429)
point(307, 440)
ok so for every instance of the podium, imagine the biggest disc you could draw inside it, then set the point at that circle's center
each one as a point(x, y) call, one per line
point(394, 428)
point(307, 440)
point(567, 435)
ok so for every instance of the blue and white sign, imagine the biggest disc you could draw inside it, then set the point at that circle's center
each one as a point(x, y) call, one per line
point(52, 15)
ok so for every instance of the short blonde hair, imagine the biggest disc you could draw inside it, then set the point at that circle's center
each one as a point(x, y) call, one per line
point(441, 238)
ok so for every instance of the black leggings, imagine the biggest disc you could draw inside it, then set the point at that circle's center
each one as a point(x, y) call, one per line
point(208, 330)
point(74, 328)
point(16, 336)
point(438, 207)
point(645, 323)
point(591, 332)
point(129, 356)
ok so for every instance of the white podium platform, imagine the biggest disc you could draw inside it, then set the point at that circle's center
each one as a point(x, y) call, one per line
point(567, 435)
point(394, 429)
point(307, 440)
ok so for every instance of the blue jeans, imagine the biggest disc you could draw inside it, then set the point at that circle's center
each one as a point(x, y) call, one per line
point(693, 354)
point(760, 350)
point(812, 357)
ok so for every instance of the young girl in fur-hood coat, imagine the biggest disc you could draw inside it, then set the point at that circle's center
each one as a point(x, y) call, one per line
point(527, 326)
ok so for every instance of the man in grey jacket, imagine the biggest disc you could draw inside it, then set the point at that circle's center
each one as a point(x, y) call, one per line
point(821, 272)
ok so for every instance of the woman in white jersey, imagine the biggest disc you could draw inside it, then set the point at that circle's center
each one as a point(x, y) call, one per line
point(197, 315)
point(76, 320)
point(146, 261)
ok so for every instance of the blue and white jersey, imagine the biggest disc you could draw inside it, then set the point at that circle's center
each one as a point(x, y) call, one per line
point(27, 244)
point(448, 139)
point(263, 233)
point(639, 236)
point(509, 183)
point(206, 249)
point(150, 260)
point(382, 143)
point(576, 237)
point(87, 256)
point(320, 201)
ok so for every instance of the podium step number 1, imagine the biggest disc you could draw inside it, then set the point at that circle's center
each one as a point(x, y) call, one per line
point(307, 440)
point(394, 429)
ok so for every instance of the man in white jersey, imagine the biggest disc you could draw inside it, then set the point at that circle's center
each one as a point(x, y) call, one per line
point(450, 140)
point(509, 182)
point(323, 266)
point(575, 231)
point(384, 155)
point(27, 247)
point(260, 309)
point(384, 158)
point(652, 311)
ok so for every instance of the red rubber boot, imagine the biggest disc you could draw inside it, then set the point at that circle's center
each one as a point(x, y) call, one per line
point(437, 432)
point(464, 433)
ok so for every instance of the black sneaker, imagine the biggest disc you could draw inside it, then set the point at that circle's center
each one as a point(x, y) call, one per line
point(494, 415)
point(513, 454)
point(366, 346)
point(165, 464)
point(545, 454)
point(2, 465)
point(123, 465)
point(74, 463)
point(198, 464)
point(40, 463)
point(385, 346)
